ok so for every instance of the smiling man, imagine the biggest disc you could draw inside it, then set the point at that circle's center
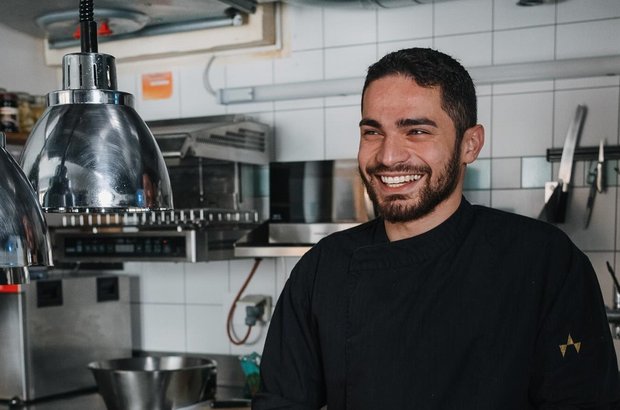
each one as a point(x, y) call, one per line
point(437, 303)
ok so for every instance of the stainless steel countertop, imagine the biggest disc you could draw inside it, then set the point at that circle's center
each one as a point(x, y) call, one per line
point(90, 401)
point(78, 401)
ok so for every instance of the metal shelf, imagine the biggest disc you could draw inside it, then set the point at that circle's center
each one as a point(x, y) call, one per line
point(585, 153)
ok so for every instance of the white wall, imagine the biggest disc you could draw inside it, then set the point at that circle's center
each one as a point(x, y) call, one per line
point(22, 66)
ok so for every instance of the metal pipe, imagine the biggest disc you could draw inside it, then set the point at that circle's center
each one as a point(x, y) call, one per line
point(234, 20)
point(500, 73)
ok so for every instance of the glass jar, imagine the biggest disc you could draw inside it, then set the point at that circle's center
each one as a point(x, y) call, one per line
point(9, 112)
point(38, 106)
point(26, 120)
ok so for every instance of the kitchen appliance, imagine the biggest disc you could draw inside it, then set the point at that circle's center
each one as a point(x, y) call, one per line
point(219, 175)
point(52, 327)
point(24, 239)
point(155, 383)
point(309, 200)
point(90, 151)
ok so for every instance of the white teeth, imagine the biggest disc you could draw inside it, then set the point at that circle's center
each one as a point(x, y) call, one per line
point(400, 179)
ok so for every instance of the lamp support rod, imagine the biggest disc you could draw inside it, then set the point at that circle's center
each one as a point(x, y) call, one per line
point(88, 27)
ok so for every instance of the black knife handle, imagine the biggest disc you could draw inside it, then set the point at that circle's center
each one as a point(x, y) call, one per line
point(554, 210)
point(560, 214)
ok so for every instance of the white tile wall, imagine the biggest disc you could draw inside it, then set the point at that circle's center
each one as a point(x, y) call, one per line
point(405, 24)
point(342, 132)
point(588, 39)
point(507, 16)
point(183, 307)
point(506, 173)
point(352, 61)
point(470, 49)
point(602, 216)
point(583, 10)
point(302, 135)
point(478, 175)
point(349, 26)
point(23, 64)
point(299, 66)
point(526, 202)
point(206, 331)
point(484, 118)
point(523, 45)
point(161, 327)
point(522, 124)
point(206, 283)
point(160, 282)
point(305, 27)
point(384, 48)
point(535, 172)
point(465, 16)
point(478, 197)
point(601, 119)
point(197, 85)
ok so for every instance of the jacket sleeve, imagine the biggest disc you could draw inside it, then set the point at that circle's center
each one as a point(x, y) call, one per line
point(291, 371)
point(574, 363)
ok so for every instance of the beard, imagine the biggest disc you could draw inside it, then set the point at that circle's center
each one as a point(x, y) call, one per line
point(404, 208)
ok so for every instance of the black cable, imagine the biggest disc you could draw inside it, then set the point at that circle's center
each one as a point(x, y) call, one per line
point(613, 276)
point(88, 27)
point(231, 312)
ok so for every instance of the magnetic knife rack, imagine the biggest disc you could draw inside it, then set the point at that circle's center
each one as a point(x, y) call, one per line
point(585, 153)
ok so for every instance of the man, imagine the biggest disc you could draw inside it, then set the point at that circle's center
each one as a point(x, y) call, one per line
point(436, 304)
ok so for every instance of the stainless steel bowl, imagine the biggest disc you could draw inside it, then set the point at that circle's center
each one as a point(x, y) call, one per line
point(154, 383)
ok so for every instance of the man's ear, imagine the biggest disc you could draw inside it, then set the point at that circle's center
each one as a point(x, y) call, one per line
point(472, 143)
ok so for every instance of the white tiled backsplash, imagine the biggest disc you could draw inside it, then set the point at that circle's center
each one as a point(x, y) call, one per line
point(182, 307)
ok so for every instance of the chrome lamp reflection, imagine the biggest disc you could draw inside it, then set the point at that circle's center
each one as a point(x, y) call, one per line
point(90, 151)
point(24, 238)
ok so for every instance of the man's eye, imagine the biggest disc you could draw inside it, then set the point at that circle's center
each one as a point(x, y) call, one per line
point(370, 132)
point(416, 131)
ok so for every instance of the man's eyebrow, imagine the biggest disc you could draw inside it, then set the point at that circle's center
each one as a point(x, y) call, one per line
point(402, 123)
point(408, 122)
point(370, 122)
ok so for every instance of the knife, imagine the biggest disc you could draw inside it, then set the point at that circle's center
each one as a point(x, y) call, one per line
point(596, 185)
point(599, 167)
point(556, 192)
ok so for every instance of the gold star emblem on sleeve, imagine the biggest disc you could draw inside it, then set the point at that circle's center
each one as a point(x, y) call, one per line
point(570, 342)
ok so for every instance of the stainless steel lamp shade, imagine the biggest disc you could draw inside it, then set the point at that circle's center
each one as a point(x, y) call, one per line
point(24, 239)
point(90, 151)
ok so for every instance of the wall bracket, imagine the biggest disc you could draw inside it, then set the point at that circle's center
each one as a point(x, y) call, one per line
point(585, 153)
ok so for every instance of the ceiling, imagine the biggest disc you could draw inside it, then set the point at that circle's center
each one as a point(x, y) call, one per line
point(60, 17)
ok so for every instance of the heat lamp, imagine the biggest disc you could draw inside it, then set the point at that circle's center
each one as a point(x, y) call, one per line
point(90, 151)
point(24, 239)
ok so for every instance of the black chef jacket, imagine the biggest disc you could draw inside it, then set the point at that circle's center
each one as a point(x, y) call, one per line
point(489, 310)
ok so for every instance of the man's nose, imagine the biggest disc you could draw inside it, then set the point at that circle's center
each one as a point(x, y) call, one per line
point(392, 151)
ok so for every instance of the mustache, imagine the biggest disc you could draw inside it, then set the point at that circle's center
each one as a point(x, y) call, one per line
point(400, 168)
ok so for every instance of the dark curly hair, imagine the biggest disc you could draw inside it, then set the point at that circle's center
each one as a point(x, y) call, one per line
point(431, 68)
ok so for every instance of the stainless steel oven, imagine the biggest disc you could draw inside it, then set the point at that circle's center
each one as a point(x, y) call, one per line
point(308, 200)
point(219, 170)
point(52, 327)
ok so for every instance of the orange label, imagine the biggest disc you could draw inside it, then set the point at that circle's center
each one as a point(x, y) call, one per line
point(157, 86)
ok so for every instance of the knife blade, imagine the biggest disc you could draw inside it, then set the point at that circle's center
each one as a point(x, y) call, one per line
point(596, 184)
point(566, 162)
point(599, 167)
point(556, 192)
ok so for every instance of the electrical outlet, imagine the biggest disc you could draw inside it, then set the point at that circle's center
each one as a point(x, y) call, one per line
point(263, 302)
